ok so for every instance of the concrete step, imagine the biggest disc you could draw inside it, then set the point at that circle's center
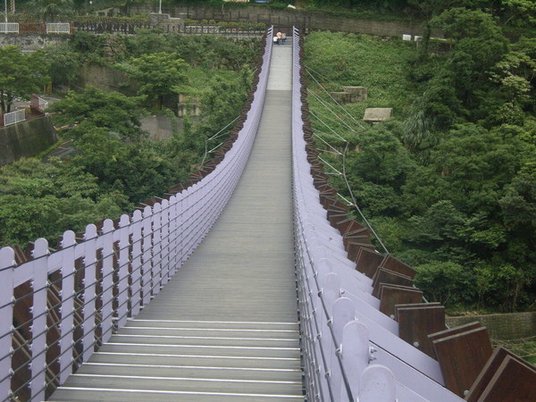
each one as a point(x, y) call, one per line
point(194, 371)
point(205, 340)
point(158, 383)
point(213, 350)
point(213, 332)
point(197, 360)
point(240, 325)
point(118, 395)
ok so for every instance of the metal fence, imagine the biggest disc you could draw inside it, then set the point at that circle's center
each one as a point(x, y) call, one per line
point(58, 27)
point(57, 308)
point(9, 27)
point(14, 117)
point(343, 331)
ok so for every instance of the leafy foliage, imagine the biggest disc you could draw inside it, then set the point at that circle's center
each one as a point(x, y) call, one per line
point(159, 74)
point(22, 74)
point(93, 107)
point(42, 199)
point(449, 182)
point(115, 165)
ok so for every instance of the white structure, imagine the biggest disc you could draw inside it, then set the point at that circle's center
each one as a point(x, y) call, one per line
point(58, 27)
point(9, 27)
point(14, 117)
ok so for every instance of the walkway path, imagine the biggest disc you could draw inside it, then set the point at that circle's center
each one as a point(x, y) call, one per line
point(225, 328)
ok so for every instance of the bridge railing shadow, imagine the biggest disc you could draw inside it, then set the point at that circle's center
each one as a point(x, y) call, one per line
point(58, 307)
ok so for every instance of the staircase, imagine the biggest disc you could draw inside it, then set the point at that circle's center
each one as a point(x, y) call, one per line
point(192, 361)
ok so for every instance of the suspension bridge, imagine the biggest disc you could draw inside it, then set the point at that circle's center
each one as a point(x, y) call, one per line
point(251, 284)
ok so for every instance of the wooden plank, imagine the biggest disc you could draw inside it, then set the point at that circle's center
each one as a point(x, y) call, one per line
point(461, 358)
point(456, 330)
point(416, 322)
point(396, 265)
point(368, 261)
point(391, 295)
point(384, 275)
point(513, 381)
point(492, 366)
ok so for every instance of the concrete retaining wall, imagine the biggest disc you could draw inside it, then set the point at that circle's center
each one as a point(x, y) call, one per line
point(25, 139)
point(502, 326)
point(31, 41)
point(288, 18)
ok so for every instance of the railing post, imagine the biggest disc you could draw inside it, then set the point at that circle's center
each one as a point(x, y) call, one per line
point(157, 247)
point(135, 274)
point(124, 259)
point(7, 264)
point(165, 220)
point(147, 256)
point(90, 262)
point(39, 322)
point(174, 234)
point(107, 279)
point(68, 244)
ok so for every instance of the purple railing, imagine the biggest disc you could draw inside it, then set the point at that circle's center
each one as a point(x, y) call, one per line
point(74, 298)
point(343, 331)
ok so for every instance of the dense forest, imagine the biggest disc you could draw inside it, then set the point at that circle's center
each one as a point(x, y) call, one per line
point(115, 165)
point(449, 183)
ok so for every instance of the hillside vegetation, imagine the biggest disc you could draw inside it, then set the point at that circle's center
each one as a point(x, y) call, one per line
point(450, 182)
point(115, 165)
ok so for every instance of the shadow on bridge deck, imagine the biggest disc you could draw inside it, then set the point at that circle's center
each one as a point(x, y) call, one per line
point(225, 327)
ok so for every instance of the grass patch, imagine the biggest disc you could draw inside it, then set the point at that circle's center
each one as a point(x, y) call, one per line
point(524, 348)
point(379, 64)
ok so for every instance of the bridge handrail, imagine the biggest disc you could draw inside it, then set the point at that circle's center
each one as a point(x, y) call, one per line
point(128, 263)
point(343, 331)
point(323, 369)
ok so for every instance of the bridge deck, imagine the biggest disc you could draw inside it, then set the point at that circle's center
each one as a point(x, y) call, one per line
point(225, 328)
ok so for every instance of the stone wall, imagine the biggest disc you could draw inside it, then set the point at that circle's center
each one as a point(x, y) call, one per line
point(25, 139)
point(502, 326)
point(285, 19)
point(31, 41)
point(106, 78)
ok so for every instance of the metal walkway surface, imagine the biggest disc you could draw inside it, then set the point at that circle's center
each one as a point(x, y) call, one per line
point(225, 328)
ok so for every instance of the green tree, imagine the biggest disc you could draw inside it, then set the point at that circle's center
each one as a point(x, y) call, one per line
point(44, 199)
point(64, 65)
point(50, 10)
point(478, 45)
point(515, 74)
point(518, 12)
point(132, 168)
point(158, 74)
point(519, 201)
point(22, 74)
point(446, 282)
point(503, 285)
point(378, 170)
point(93, 107)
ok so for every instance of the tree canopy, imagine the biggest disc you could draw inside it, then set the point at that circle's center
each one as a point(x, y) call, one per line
point(158, 74)
point(448, 183)
point(22, 74)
